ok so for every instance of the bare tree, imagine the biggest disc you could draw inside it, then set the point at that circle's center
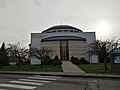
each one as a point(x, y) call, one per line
point(104, 48)
point(18, 53)
point(40, 53)
point(112, 44)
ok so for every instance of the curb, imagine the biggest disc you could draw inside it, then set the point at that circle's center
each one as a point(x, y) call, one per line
point(62, 74)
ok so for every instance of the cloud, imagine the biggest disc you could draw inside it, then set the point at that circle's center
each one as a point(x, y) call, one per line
point(2, 4)
point(18, 18)
point(37, 3)
point(7, 3)
point(3, 27)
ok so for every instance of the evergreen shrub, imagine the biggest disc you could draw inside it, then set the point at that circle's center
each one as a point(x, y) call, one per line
point(47, 61)
point(57, 61)
point(75, 60)
point(84, 61)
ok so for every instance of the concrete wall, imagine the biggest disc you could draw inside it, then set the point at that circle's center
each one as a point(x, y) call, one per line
point(34, 60)
point(77, 49)
point(54, 46)
point(93, 59)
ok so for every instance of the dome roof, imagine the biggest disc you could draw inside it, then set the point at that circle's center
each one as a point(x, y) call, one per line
point(62, 28)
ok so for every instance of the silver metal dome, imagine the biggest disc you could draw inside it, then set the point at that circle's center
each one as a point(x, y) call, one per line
point(61, 28)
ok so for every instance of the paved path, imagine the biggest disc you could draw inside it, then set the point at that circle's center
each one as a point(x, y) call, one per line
point(67, 66)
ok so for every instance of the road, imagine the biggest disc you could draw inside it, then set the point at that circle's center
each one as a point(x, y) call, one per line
point(37, 82)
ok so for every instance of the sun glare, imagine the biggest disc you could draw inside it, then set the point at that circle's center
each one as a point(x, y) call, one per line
point(103, 29)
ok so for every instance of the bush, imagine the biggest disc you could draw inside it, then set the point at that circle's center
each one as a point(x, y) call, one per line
point(57, 61)
point(75, 60)
point(83, 61)
point(27, 61)
point(47, 61)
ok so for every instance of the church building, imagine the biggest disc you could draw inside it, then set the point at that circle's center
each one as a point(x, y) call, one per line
point(65, 40)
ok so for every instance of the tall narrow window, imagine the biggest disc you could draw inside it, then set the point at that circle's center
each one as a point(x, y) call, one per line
point(64, 51)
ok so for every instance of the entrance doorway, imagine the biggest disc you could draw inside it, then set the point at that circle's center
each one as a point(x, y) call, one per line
point(64, 51)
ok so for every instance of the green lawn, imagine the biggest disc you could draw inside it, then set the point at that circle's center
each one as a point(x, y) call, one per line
point(35, 68)
point(95, 68)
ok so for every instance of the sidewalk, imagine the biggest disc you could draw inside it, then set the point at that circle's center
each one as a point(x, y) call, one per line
point(70, 70)
point(64, 74)
point(67, 66)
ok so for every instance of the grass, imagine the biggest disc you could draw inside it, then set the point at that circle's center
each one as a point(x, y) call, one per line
point(33, 68)
point(95, 68)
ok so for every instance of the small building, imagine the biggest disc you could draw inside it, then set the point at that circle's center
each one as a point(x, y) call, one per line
point(65, 40)
point(115, 61)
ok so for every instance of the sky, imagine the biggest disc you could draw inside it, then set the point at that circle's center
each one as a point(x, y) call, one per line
point(20, 18)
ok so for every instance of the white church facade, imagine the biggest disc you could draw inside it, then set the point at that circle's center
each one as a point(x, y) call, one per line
point(66, 41)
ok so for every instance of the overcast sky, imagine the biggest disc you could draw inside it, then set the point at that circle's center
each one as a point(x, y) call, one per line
point(19, 18)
